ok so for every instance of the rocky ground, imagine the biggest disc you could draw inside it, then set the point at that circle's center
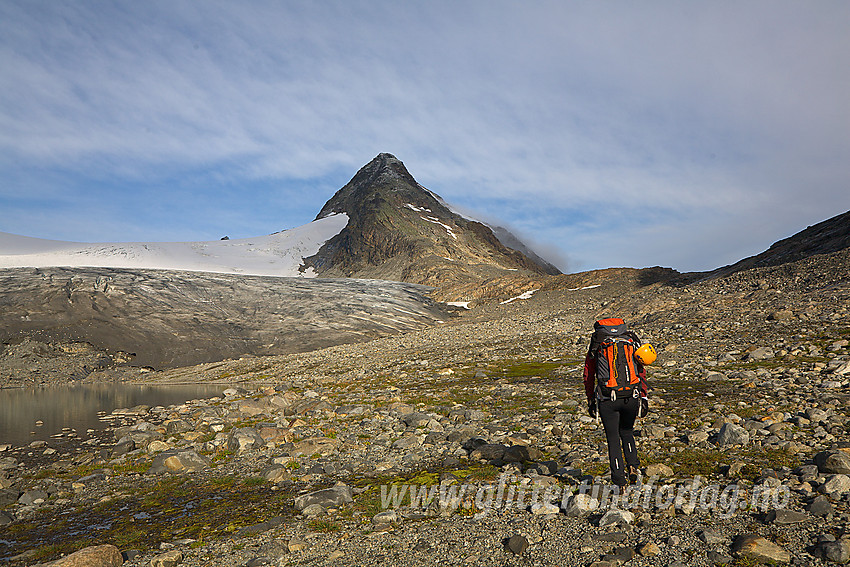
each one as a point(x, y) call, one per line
point(749, 406)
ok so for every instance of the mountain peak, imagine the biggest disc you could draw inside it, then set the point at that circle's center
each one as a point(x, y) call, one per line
point(385, 178)
point(400, 230)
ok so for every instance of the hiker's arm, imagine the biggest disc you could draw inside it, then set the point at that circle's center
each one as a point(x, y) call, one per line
point(642, 387)
point(590, 376)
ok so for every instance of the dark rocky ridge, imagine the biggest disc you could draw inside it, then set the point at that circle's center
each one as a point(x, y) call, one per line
point(824, 237)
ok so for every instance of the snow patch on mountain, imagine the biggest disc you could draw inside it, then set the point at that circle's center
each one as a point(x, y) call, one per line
point(525, 295)
point(436, 221)
point(279, 254)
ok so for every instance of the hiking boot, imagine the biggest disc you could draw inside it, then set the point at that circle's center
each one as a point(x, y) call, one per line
point(635, 476)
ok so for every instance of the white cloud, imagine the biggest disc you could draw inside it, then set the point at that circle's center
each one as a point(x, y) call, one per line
point(697, 118)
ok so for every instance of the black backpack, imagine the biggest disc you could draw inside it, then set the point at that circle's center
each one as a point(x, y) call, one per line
point(616, 371)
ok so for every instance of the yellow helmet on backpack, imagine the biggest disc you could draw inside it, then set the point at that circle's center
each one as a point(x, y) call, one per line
point(646, 354)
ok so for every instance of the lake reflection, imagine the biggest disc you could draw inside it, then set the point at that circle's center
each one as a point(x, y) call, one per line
point(78, 406)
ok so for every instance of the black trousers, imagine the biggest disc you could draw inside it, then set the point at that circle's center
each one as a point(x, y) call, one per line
point(618, 418)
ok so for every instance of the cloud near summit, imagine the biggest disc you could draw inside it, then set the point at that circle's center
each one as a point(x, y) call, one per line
point(702, 132)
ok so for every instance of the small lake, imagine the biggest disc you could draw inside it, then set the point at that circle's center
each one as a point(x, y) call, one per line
point(77, 406)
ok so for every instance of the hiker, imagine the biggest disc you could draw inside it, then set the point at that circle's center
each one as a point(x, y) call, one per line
point(615, 384)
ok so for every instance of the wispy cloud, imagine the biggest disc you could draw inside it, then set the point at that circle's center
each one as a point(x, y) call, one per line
point(699, 129)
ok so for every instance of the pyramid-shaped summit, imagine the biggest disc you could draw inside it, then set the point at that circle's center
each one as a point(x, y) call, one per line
point(385, 177)
point(399, 230)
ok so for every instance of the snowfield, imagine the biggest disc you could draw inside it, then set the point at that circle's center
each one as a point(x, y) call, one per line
point(525, 295)
point(279, 254)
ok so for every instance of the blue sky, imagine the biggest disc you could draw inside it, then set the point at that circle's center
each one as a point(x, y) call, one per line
point(682, 134)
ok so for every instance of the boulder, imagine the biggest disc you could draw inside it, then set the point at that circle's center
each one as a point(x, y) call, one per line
point(168, 559)
point(821, 506)
point(8, 496)
point(95, 556)
point(416, 419)
point(407, 442)
point(833, 462)
point(488, 452)
point(327, 498)
point(517, 544)
point(659, 470)
point(245, 439)
point(176, 461)
point(616, 516)
point(784, 516)
point(123, 447)
point(732, 434)
point(836, 486)
point(32, 497)
point(835, 551)
point(761, 353)
point(581, 504)
point(313, 445)
point(759, 549)
point(521, 453)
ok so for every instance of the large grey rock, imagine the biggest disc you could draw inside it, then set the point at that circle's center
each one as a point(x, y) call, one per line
point(488, 452)
point(659, 470)
point(816, 415)
point(176, 461)
point(31, 496)
point(732, 434)
point(581, 504)
point(245, 439)
point(835, 551)
point(833, 462)
point(385, 517)
point(616, 516)
point(517, 544)
point(94, 556)
point(757, 548)
point(784, 516)
point(521, 453)
point(168, 559)
point(407, 442)
point(315, 445)
point(821, 506)
point(416, 419)
point(761, 353)
point(836, 486)
point(8, 496)
point(328, 497)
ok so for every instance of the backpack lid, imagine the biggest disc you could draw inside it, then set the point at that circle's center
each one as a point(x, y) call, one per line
point(611, 326)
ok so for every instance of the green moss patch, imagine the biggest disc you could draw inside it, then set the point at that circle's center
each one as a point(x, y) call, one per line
point(169, 509)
